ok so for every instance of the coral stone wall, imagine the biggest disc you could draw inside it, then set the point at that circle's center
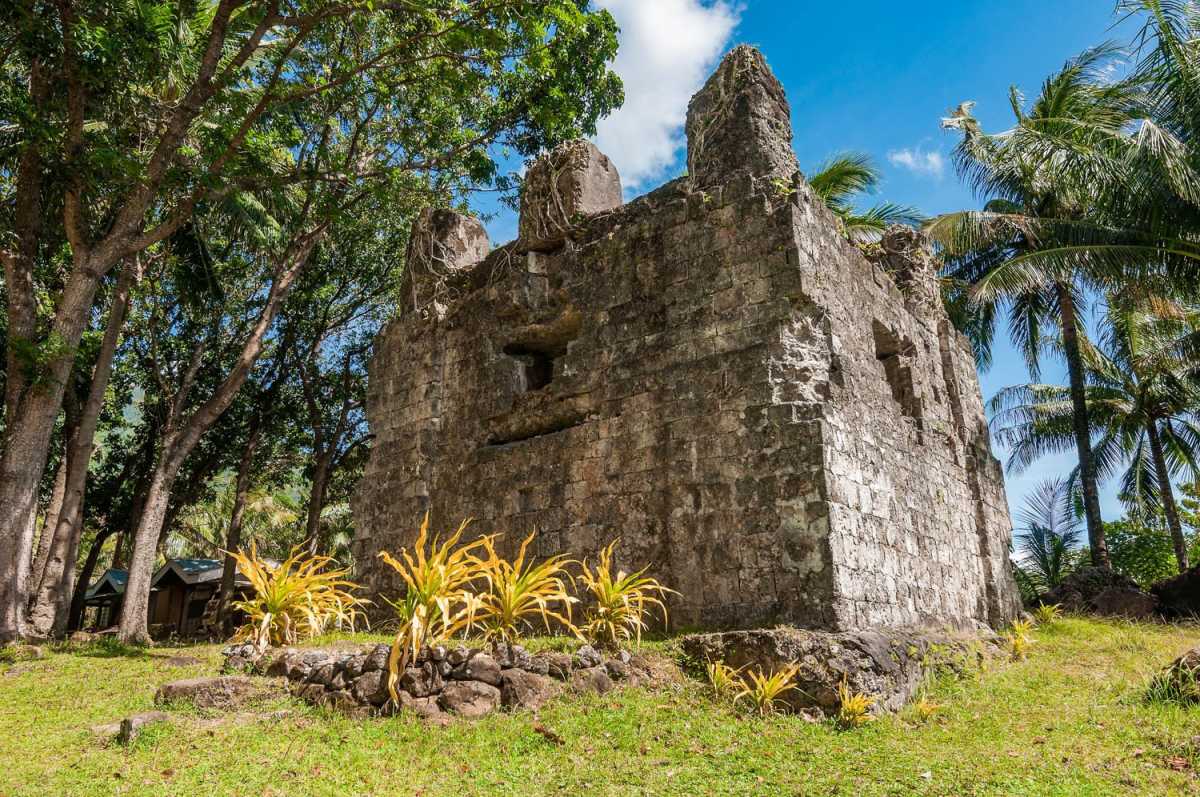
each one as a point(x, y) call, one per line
point(710, 372)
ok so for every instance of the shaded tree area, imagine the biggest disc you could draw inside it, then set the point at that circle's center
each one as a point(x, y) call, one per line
point(204, 207)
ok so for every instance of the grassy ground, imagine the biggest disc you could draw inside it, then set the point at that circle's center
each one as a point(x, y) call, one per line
point(1070, 720)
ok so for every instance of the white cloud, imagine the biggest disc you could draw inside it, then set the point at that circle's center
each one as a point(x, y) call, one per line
point(668, 48)
point(918, 161)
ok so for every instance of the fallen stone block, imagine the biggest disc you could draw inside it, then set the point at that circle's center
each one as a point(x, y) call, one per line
point(522, 689)
point(1098, 590)
point(470, 699)
point(1179, 596)
point(886, 665)
point(224, 691)
point(591, 679)
point(128, 729)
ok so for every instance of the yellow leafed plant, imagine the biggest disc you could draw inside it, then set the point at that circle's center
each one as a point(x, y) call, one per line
point(517, 592)
point(1019, 638)
point(301, 597)
point(854, 708)
point(438, 599)
point(1047, 615)
point(620, 601)
point(722, 678)
point(764, 691)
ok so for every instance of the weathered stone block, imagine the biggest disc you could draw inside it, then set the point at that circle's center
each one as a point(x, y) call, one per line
point(521, 689)
point(469, 699)
point(1179, 596)
point(739, 124)
point(562, 187)
point(887, 666)
point(221, 692)
point(442, 245)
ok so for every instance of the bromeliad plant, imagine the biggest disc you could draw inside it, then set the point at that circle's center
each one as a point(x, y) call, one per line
point(438, 601)
point(301, 597)
point(854, 708)
point(764, 691)
point(1019, 637)
point(517, 592)
point(619, 602)
point(724, 680)
point(1047, 615)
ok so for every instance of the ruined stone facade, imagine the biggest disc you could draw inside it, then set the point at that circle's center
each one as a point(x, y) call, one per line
point(710, 372)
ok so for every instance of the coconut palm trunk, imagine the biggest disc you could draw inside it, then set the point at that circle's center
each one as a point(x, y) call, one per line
point(1082, 427)
point(1167, 496)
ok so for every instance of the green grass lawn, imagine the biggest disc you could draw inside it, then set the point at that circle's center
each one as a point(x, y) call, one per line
point(1071, 719)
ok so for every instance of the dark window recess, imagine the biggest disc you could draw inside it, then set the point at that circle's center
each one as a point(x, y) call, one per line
point(537, 367)
point(894, 354)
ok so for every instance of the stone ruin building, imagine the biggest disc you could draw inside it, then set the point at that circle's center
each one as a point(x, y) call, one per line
point(785, 430)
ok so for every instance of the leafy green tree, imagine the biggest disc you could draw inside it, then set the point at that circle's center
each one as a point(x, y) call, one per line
point(1142, 549)
point(1141, 410)
point(132, 117)
point(843, 179)
point(202, 527)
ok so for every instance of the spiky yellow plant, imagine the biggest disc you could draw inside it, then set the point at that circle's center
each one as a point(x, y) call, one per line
point(519, 591)
point(854, 708)
point(1019, 639)
point(438, 601)
point(924, 709)
point(619, 602)
point(1047, 615)
point(301, 597)
point(722, 678)
point(763, 690)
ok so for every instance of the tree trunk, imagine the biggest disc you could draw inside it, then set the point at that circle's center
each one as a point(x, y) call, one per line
point(50, 608)
point(1083, 429)
point(316, 503)
point(19, 265)
point(233, 538)
point(27, 449)
point(75, 616)
point(53, 510)
point(134, 627)
point(1167, 496)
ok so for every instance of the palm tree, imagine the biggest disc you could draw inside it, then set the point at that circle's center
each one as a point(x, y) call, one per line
point(1141, 406)
point(1031, 253)
point(270, 519)
point(843, 178)
point(1050, 532)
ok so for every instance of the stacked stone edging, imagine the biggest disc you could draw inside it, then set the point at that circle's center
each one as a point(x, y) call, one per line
point(441, 680)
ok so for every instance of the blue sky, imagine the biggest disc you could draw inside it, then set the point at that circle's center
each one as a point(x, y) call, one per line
point(872, 76)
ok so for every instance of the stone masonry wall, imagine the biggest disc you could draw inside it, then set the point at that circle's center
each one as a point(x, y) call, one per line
point(710, 372)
